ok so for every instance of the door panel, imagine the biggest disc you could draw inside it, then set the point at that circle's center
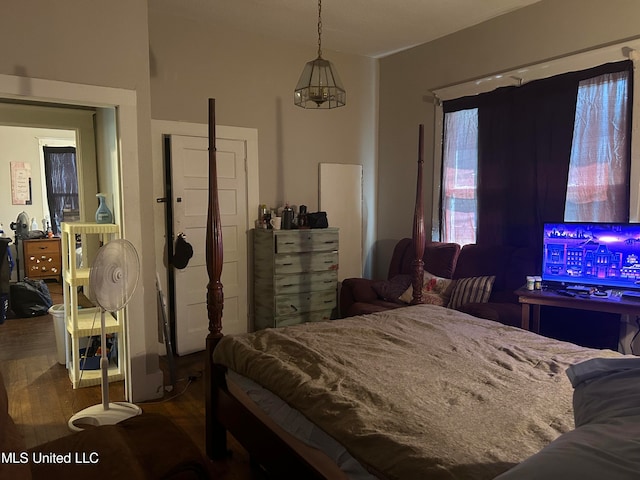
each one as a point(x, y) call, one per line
point(189, 169)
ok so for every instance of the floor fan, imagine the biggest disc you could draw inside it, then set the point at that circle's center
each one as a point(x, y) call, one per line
point(112, 281)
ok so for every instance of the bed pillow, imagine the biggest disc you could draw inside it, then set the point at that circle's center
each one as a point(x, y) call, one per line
point(391, 290)
point(606, 403)
point(434, 290)
point(602, 451)
point(605, 389)
point(471, 290)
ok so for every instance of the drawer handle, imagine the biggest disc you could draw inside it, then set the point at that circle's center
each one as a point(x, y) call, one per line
point(287, 264)
point(328, 281)
point(328, 301)
point(294, 308)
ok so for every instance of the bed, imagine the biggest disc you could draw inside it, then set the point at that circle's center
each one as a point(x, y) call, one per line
point(417, 392)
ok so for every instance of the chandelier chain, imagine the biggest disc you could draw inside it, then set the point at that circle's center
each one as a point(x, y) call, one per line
point(319, 85)
point(319, 28)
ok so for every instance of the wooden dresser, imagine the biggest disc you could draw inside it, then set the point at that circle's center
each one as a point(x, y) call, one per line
point(295, 276)
point(42, 258)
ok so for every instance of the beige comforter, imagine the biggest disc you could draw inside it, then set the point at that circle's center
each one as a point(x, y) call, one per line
point(418, 392)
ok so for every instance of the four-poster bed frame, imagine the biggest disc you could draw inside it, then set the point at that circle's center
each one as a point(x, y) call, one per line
point(224, 411)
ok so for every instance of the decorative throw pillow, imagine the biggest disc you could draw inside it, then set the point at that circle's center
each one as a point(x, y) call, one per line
point(471, 290)
point(390, 290)
point(434, 299)
point(434, 290)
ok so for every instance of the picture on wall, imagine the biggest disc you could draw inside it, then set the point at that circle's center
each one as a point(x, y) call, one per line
point(20, 183)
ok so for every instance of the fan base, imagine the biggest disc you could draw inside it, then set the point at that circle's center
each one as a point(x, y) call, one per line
point(97, 415)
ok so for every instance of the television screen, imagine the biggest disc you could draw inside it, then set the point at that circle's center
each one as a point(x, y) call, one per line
point(601, 255)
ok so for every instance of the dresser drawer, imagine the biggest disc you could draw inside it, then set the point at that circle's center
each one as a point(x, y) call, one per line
point(306, 282)
point(315, 316)
point(306, 241)
point(42, 247)
point(306, 262)
point(305, 302)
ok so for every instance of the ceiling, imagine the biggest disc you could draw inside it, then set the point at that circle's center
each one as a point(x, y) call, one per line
point(373, 28)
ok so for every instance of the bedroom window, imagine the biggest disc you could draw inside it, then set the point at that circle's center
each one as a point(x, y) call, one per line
point(535, 153)
point(460, 164)
point(598, 170)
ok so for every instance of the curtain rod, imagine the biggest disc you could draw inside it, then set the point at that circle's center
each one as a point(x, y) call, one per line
point(628, 48)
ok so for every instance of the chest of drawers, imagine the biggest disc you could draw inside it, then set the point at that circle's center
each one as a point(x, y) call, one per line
point(295, 276)
point(42, 258)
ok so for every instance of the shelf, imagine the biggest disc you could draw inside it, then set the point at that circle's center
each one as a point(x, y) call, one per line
point(88, 323)
point(89, 228)
point(88, 378)
point(85, 322)
point(81, 278)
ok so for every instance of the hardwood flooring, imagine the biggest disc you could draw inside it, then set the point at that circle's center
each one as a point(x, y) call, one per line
point(41, 397)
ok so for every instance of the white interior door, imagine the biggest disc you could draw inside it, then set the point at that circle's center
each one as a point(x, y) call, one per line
point(189, 170)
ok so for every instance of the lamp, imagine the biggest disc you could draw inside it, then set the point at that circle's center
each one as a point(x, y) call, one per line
point(319, 85)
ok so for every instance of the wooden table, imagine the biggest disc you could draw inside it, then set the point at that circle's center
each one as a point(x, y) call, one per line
point(531, 300)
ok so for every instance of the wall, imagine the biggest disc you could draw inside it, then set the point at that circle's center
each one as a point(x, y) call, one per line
point(542, 31)
point(252, 79)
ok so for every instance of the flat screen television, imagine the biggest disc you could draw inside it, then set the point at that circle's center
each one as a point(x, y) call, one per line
point(599, 255)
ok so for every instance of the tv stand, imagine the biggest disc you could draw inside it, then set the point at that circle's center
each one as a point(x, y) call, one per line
point(531, 300)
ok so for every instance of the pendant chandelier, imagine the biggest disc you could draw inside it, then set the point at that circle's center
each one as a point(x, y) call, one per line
point(319, 85)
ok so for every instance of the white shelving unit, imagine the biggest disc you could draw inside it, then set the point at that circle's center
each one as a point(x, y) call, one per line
point(85, 322)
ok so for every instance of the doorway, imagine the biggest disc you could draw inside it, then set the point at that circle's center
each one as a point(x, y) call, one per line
point(119, 153)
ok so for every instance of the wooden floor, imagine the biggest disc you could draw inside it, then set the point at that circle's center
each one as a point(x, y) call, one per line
point(42, 399)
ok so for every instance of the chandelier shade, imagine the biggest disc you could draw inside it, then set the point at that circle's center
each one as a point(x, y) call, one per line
point(319, 85)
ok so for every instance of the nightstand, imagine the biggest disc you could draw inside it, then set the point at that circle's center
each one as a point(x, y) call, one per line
point(42, 258)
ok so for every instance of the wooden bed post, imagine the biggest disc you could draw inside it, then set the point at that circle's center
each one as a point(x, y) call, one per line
point(216, 433)
point(418, 226)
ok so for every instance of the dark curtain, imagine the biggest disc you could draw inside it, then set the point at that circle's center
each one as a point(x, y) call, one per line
point(62, 182)
point(524, 148)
